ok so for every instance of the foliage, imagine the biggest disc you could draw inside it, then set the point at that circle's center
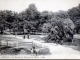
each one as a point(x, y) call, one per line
point(61, 30)
point(59, 25)
point(44, 51)
point(46, 27)
point(74, 14)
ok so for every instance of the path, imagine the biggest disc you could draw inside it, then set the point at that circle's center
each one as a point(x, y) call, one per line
point(57, 51)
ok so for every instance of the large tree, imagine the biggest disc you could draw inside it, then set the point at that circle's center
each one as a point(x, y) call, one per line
point(74, 14)
point(61, 29)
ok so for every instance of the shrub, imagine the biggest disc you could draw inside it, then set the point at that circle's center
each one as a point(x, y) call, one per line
point(61, 30)
point(44, 51)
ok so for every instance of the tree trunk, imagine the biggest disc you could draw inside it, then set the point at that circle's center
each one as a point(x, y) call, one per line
point(24, 34)
point(0, 42)
point(1, 31)
point(14, 31)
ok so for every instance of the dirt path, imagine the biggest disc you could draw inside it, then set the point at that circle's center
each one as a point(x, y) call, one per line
point(57, 51)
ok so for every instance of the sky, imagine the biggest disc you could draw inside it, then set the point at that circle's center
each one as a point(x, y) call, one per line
point(42, 5)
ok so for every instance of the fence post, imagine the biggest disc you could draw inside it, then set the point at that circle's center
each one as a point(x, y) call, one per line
point(7, 43)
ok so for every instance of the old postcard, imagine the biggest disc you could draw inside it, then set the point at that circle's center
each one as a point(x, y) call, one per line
point(39, 29)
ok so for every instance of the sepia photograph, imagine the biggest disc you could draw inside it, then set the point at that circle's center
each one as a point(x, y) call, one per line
point(39, 29)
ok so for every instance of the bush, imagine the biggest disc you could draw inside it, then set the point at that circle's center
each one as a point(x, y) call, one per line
point(25, 51)
point(10, 51)
point(44, 51)
point(61, 30)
